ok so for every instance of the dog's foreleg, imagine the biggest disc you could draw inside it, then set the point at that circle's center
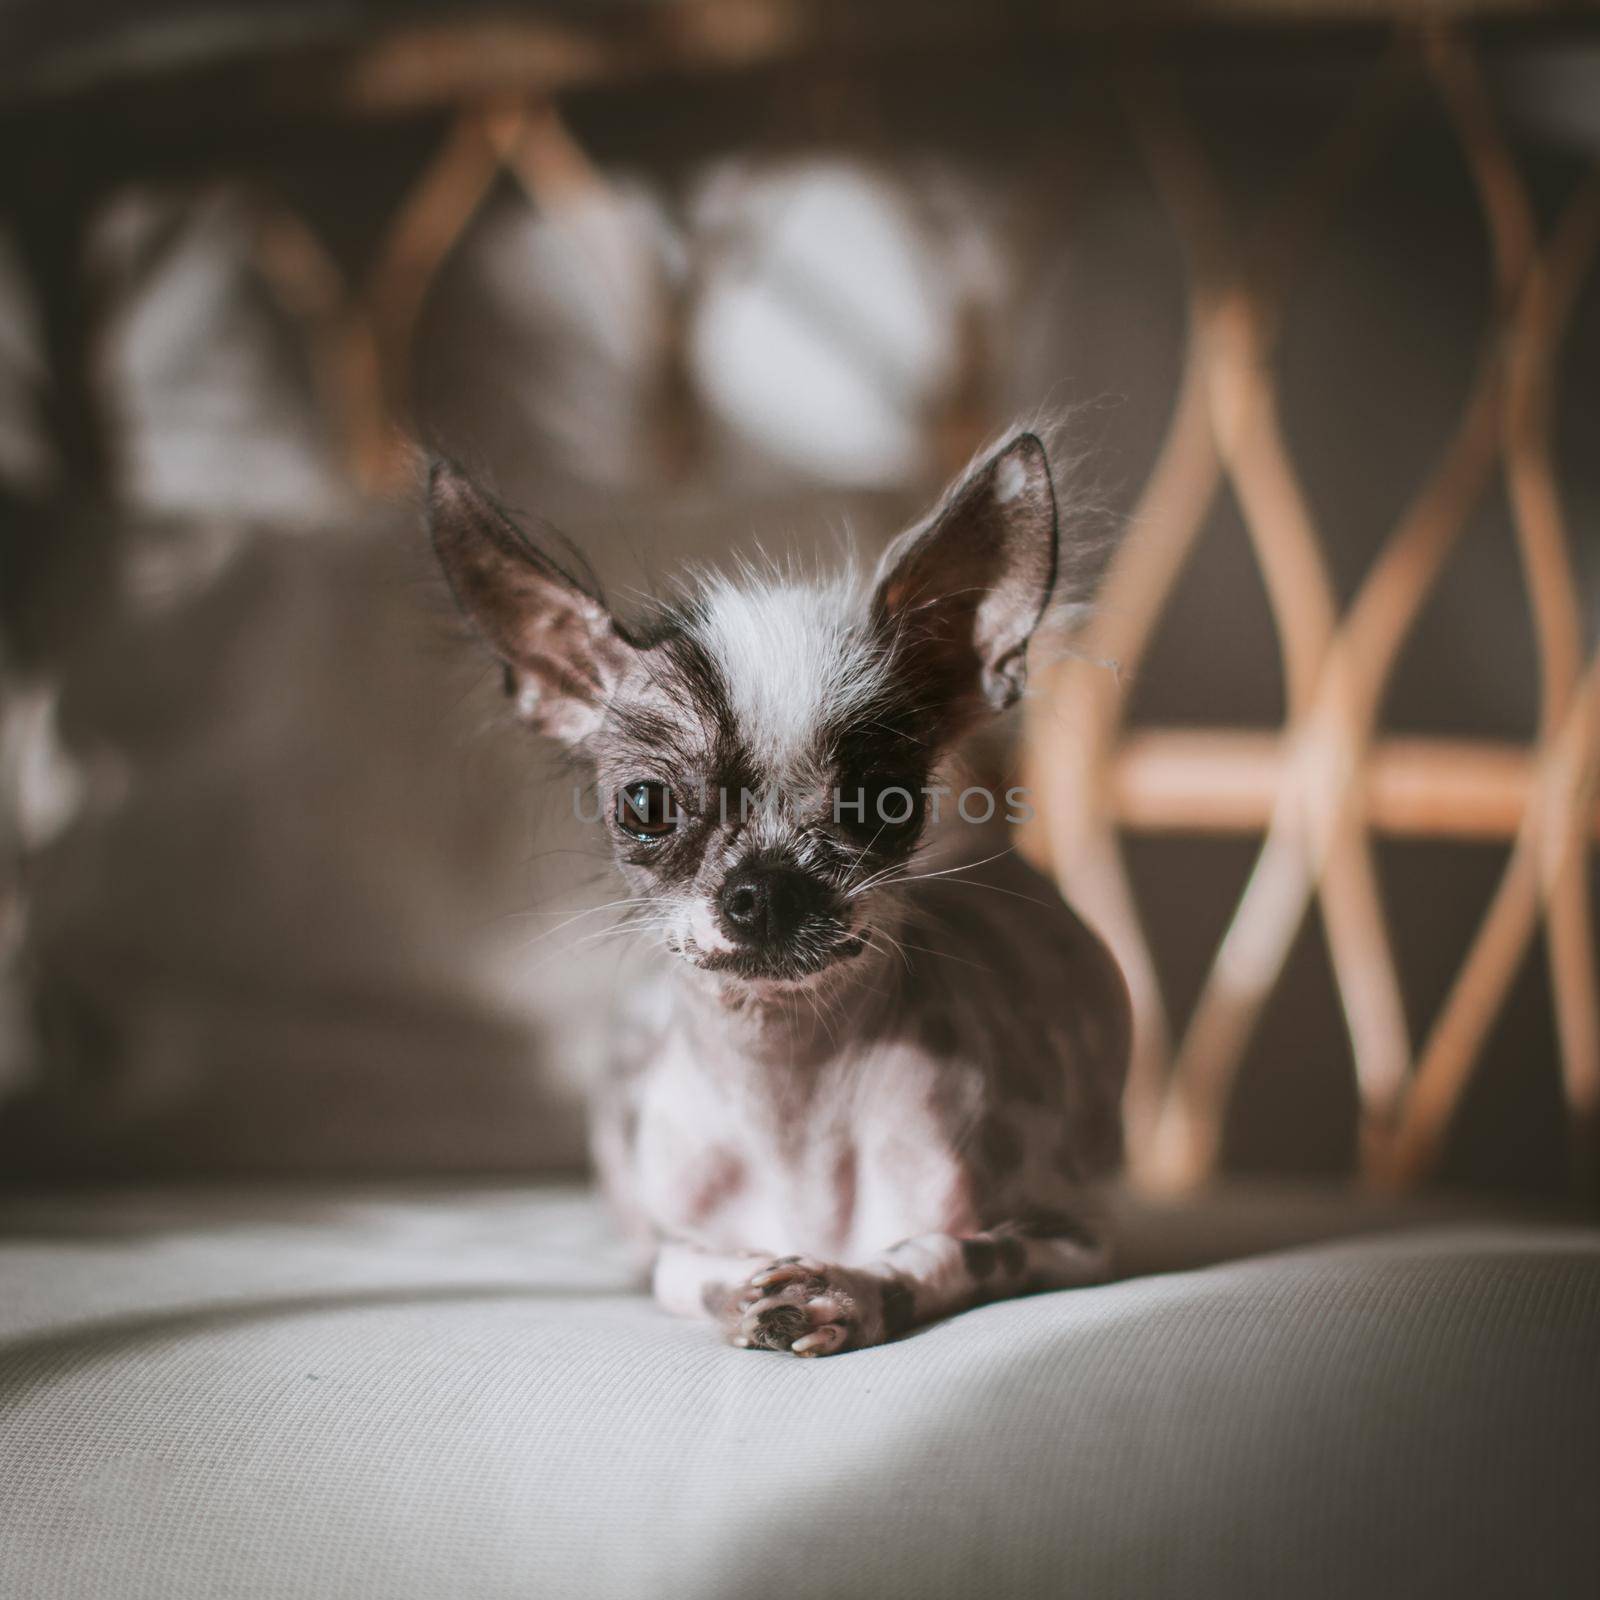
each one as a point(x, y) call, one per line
point(813, 1307)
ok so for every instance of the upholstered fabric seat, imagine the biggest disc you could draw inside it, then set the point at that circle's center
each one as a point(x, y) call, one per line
point(435, 1394)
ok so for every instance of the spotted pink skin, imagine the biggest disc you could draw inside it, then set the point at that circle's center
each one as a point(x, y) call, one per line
point(814, 1196)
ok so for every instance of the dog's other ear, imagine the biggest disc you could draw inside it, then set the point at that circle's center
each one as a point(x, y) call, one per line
point(959, 595)
point(563, 652)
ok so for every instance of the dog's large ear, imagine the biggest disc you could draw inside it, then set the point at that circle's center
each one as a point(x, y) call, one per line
point(563, 652)
point(959, 595)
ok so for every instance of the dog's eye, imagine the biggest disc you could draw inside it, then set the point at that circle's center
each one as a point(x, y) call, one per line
point(646, 809)
point(881, 807)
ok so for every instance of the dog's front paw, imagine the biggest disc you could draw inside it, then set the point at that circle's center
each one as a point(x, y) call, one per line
point(806, 1306)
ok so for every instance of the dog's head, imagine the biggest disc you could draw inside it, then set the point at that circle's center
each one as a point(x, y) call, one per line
point(761, 750)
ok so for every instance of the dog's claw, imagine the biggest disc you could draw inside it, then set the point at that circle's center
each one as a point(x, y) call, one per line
point(820, 1341)
point(785, 1271)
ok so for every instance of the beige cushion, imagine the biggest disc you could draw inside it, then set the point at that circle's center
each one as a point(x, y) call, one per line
point(436, 1395)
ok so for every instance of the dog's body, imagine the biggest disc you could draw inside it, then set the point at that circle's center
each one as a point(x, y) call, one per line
point(883, 1078)
point(965, 1090)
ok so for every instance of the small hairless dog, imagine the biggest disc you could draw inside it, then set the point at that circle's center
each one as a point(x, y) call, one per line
point(882, 1076)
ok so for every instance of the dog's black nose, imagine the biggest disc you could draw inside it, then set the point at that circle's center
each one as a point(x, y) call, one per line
point(764, 905)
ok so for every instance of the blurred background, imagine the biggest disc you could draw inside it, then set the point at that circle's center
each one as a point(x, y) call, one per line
point(1308, 287)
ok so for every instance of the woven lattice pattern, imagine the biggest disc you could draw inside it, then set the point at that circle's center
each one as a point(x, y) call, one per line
point(1320, 788)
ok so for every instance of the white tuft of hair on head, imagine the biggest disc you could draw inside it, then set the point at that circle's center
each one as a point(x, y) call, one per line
point(796, 655)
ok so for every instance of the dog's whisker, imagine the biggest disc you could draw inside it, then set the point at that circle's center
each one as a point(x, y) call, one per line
point(947, 872)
